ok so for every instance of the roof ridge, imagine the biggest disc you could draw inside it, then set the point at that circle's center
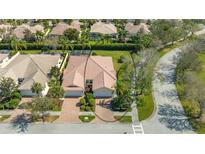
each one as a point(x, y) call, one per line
point(29, 78)
point(37, 65)
point(102, 68)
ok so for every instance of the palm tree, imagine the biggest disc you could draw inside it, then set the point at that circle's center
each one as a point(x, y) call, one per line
point(17, 45)
point(39, 36)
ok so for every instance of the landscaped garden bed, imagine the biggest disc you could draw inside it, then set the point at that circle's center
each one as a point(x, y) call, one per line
point(86, 118)
point(49, 118)
point(87, 103)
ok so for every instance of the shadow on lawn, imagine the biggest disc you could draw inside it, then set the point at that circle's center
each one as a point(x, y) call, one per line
point(21, 123)
point(174, 118)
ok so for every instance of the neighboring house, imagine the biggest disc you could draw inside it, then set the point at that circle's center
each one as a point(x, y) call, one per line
point(103, 29)
point(5, 30)
point(27, 69)
point(19, 30)
point(99, 77)
point(60, 28)
point(133, 29)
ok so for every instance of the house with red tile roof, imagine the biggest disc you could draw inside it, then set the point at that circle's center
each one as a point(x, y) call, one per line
point(60, 28)
point(94, 74)
point(133, 29)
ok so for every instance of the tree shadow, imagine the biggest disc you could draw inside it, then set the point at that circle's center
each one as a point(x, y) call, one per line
point(105, 104)
point(21, 122)
point(171, 95)
point(174, 118)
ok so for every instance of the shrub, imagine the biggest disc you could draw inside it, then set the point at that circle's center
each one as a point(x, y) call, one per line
point(82, 101)
point(191, 108)
point(94, 54)
point(89, 96)
point(82, 107)
point(92, 108)
point(92, 102)
point(16, 95)
point(55, 104)
point(45, 49)
point(12, 104)
point(87, 108)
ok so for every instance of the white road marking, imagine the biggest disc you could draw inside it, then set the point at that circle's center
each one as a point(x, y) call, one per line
point(138, 129)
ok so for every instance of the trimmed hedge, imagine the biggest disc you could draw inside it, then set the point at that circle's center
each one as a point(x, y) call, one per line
point(109, 46)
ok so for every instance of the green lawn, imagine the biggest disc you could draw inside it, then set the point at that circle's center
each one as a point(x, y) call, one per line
point(30, 51)
point(124, 119)
point(86, 118)
point(4, 117)
point(115, 56)
point(146, 108)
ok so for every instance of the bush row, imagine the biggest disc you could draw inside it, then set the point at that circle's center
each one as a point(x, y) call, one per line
point(110, 46)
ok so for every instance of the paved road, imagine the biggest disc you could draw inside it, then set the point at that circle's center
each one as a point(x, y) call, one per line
point(169, 116)
point(60, 128)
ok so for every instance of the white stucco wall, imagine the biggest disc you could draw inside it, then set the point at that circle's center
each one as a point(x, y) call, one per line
point(103, 93)
point(45, 90)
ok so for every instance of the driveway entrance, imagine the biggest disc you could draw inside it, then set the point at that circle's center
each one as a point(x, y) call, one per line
point(70, 111)
point(104, 114)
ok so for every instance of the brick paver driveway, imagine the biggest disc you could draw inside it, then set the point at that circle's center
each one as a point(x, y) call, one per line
point(70, 111)
point(104, 114)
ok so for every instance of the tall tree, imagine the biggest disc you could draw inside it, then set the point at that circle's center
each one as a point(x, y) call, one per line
point(122, 33)
point(71, 34)
point(55, 72)
point(7, 88)
point(142, 41)
point(29, 36)
point(17, 45)
point(167, 30)
point(39, 107)
point(55, 89)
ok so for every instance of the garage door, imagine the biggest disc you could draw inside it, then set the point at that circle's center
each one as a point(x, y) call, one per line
point(102, 93)
point(73, 94)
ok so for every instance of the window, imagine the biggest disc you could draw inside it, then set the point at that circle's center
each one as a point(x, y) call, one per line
point(89, 82)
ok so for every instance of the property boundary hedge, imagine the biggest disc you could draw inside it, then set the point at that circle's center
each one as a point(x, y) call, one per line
point(110, 46)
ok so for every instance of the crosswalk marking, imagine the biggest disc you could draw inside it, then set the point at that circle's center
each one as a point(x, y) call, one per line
point(137, 129)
